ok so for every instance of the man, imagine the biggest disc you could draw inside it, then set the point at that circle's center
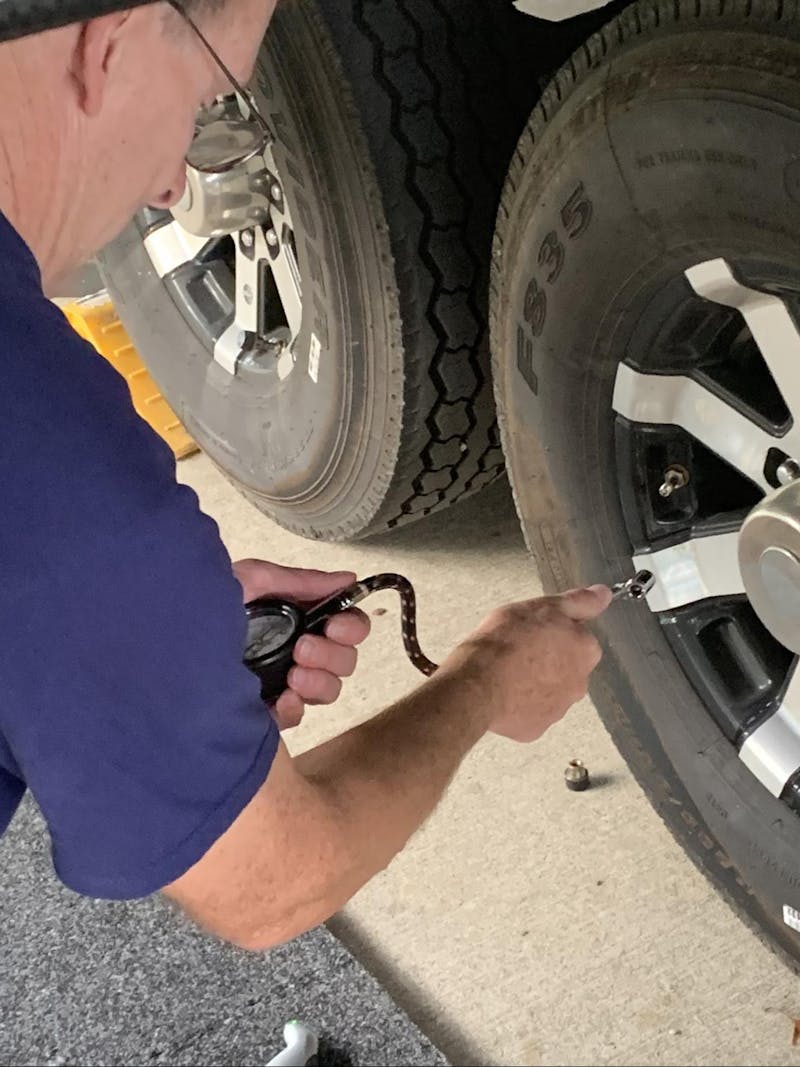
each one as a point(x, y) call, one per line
point(124, 705)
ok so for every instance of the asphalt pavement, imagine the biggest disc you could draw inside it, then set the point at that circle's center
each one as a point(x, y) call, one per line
point(116, 984)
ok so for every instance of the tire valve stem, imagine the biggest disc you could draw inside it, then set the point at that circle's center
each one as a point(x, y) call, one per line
point(675, 477)
point(576, 776)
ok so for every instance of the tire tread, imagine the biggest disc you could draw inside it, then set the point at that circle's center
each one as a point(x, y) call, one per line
point(478, 102)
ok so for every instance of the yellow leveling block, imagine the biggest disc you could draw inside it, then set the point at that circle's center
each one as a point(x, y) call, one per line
point(96, 321)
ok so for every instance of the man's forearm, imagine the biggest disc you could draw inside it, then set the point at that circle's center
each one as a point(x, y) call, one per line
point(324, 823)
point(386, 776)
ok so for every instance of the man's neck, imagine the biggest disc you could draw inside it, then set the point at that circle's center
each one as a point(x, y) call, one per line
point(31, 154)
point(14, 202)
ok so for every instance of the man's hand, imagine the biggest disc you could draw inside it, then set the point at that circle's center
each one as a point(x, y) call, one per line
point(534, 658)
point(321, 662)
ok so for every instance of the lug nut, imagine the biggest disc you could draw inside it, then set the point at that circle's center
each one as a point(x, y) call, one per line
point(247, 238)
point(788, 471)
point(272, 238)
point(674, 478)
point(576, 776)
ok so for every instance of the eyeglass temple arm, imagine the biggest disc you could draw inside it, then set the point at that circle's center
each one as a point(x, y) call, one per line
point(245, 96)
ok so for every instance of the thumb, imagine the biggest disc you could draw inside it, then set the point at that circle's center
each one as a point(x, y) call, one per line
point(581, 605)
point(309, 586)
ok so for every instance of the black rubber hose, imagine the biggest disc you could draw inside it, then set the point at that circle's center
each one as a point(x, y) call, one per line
point(18, 18)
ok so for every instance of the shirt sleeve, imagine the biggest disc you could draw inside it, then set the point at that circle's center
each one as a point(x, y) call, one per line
point(124, 698)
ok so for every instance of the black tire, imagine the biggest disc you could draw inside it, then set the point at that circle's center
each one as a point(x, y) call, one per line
point(620, 169)
point(394, 135)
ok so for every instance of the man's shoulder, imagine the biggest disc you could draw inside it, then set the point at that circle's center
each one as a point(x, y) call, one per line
point(43, 359)
point(68, 427)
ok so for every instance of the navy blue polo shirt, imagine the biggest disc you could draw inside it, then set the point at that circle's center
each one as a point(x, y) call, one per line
point(124, 704)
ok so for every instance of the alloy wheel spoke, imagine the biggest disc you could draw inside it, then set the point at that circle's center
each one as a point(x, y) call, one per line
point(693, 570)
point(681, 401)
point(229, 346)
point(767, 318)
point(251, 255)
point(171, 246)
point(255, 255)
point(772, 750)
point(286, 273)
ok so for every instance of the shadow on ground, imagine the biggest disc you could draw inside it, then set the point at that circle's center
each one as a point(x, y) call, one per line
point(488, 517)
point(443, 1031)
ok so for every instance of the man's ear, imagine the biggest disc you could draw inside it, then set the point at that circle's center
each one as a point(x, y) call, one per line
point(93, 56)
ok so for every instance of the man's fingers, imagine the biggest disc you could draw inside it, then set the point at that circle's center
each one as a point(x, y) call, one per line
point(581, 605)
point(348, 627)
point(315, 686)
point(289, 710)
point(320, 653)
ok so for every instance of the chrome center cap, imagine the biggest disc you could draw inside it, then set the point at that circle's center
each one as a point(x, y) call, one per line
point(780, 577)
point(227, 185)
point(769, 559)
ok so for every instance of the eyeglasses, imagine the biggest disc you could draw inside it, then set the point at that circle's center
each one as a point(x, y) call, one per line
point(246, 99)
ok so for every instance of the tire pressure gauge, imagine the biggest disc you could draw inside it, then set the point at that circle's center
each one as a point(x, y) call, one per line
point(275, 626)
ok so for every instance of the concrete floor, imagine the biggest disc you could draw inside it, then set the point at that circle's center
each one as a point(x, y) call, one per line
point(525, 924)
